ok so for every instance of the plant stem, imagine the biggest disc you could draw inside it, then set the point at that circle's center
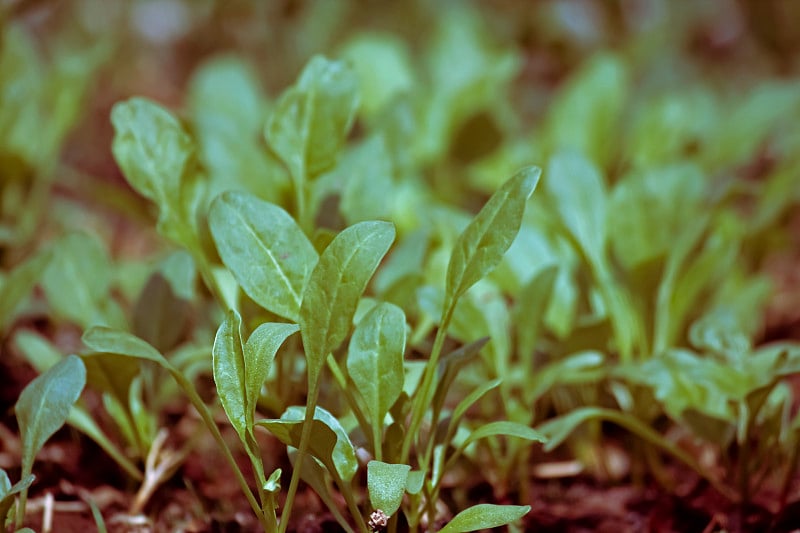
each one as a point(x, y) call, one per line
point(341, 380)
point(208, 419)
point(425, 391)
point(305, 437)
point(347, 492)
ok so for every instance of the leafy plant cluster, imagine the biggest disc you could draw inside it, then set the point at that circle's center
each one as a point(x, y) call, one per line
point(330, 268)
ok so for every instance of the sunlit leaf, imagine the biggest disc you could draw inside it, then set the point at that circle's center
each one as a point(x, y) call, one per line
point(485, 516)
point(265, 249)
point(386, 484)
point(151, 147)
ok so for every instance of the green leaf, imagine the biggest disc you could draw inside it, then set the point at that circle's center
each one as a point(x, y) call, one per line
point(416, 478)
point(160, 317)
point(266, 250)
point(386, 484)
point(103, 339)
point(335, 286)
point(383, 65)
point(18, 285)
point(229, 372)
point(38, 351)
point(644, 218)
point(310, 121)
point(530, 309)
point(9, 492)
point(487, 237)
point(329, 442)
point(228, 130)
point(111, 373)
point(45, 403)
point(506, 428)
point(484, 516)
point(375, 359)
point(585, 115)
point(578, 193)
point(152, 149)
point(78, 278)
point(471, 398)
point(259, 353)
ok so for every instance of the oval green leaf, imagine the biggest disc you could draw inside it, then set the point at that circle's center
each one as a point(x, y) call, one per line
point(151, 147)
point(375, 359)
point(265, 249)
point(485, 516)
point(329, 441)
point(45, 403)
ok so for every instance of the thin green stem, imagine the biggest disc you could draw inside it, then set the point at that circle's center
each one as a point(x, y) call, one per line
point(377, 441)
point(305, 437)
point(341, 380)
point(266, 498)
point(347, 492)
point(426, 390)
point(208, 419)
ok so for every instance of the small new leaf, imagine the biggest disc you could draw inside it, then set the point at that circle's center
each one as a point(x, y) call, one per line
point(386, 484)
point(45, 403)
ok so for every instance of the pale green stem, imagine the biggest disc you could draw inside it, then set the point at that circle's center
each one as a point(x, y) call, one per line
point(426, 390)
point(305, 437)
point(208, 419)
point(347, 492)
point(341, 380)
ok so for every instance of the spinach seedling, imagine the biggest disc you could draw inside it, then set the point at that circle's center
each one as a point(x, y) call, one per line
point(42, 408)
